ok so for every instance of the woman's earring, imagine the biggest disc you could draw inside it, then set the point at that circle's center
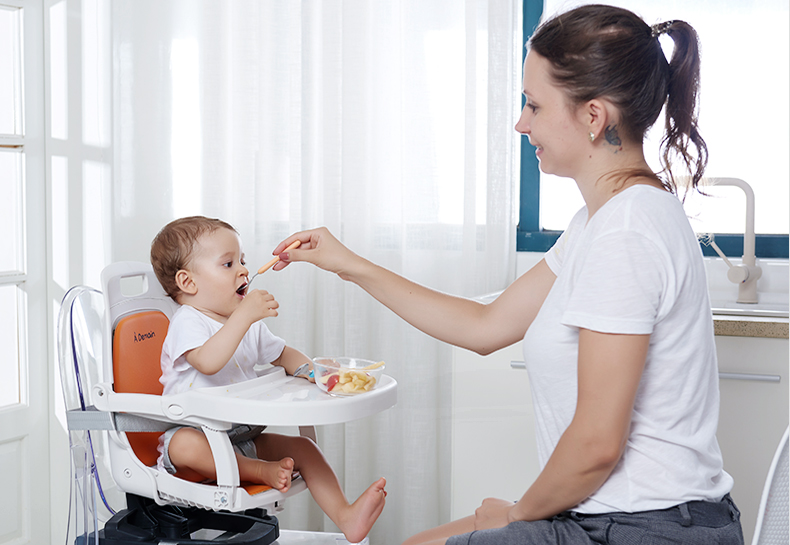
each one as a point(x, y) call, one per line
point(592, 136)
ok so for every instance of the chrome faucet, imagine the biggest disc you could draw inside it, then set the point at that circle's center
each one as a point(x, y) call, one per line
point(748, 272)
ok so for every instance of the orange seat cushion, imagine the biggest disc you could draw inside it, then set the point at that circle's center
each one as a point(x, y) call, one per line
point(253, 489)
point(136, 350)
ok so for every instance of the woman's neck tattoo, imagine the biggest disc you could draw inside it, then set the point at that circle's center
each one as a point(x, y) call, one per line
point(612, 138)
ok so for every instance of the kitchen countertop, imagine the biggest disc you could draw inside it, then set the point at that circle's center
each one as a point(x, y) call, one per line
point(751, 326)
point(768, 327)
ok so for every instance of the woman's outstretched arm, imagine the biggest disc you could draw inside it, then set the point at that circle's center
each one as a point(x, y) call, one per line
point(482, 328)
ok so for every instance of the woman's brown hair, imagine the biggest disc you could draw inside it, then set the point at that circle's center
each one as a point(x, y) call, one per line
point(599, 51)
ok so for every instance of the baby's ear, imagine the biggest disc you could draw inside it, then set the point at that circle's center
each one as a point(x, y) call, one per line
point(185, 282)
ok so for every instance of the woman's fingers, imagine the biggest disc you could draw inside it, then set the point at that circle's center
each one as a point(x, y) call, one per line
point(304, 237)
point(318, 246)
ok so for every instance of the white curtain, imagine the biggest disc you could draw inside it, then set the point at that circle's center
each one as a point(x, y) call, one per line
point(390, 122)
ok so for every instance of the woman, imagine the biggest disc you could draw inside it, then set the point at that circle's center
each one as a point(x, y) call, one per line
point(615, 320)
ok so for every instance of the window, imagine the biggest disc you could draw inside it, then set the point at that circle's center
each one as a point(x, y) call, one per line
point(744, 119)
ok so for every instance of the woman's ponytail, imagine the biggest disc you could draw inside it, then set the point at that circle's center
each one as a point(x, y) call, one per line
point(682, 133)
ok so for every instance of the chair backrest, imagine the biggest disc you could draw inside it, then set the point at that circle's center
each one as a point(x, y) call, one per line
point(129, 288)
point(773, 525)
point(136, 350)
point(137, 316)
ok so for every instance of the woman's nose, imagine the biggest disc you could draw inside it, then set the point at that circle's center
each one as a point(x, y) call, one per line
point(522, 126)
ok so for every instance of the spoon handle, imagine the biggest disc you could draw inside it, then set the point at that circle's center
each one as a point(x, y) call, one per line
point(270, 264)
point(273, 262)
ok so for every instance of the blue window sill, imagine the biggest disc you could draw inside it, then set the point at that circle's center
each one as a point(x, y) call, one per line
point(766, 246)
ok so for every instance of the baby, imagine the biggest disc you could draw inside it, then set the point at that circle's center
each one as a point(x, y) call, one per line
point(216, 337)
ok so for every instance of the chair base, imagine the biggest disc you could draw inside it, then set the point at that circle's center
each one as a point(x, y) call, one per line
point(143, 522)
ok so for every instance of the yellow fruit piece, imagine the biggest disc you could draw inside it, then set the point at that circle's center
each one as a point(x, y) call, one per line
point(354, 381)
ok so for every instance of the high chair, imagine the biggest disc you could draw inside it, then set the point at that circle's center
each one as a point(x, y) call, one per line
point(125, 399)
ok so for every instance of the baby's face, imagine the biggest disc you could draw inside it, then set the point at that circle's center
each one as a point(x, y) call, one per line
point(218, 272)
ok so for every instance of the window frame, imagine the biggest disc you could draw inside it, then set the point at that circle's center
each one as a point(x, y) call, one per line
point(530, 237)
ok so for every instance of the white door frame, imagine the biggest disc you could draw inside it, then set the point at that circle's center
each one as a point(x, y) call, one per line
point(24, 441)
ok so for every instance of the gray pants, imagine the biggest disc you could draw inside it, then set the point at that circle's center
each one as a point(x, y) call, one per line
point(692, 523)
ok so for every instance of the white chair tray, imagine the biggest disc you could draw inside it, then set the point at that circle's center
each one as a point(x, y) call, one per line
point(273, 399)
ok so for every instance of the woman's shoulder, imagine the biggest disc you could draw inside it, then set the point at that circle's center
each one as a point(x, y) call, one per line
point(649, 192)
point(646, 203)
point(651, 214)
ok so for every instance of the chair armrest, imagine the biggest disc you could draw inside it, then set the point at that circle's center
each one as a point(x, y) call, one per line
point(151, 406)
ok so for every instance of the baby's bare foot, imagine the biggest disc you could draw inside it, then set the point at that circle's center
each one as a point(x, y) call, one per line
point(360, 516)
point(277, 474)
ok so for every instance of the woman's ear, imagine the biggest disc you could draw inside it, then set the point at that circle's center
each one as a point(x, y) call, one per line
point(185, 282)
point(596, 116)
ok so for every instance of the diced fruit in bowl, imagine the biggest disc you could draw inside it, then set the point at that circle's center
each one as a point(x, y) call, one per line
point(347, 376)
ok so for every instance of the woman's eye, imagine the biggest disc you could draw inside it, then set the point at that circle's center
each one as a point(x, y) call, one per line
point(532, 107)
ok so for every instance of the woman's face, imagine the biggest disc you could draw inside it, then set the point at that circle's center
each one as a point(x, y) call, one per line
point(550, 123)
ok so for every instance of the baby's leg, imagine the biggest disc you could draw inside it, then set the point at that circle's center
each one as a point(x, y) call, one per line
point(354, 520)
point(189, 449)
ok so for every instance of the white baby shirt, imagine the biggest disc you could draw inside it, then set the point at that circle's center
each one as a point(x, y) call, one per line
point(635, 268)
point(190, 328)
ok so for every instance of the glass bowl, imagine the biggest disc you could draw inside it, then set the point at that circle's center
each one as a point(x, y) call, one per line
point(341, 376)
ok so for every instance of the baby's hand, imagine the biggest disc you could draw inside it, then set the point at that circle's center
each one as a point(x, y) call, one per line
point(258, 304)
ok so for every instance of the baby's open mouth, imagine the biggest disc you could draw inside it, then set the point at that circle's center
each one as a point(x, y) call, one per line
point(242, 289)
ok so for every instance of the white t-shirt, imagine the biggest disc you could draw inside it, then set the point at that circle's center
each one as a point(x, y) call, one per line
point(635, 268)
point(189, 328)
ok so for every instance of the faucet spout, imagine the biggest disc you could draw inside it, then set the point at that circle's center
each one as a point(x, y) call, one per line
point(748, 272)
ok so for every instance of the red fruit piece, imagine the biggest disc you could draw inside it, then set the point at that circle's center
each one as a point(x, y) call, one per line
point(332, 382)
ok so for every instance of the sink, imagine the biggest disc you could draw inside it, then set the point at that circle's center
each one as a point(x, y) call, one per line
point(766, 310)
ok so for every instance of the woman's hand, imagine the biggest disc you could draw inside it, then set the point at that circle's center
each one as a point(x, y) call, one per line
point(319, 247)
point(493, 513)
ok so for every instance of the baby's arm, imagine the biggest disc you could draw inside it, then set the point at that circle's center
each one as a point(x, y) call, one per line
point(217, 351)
point(290, 359)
